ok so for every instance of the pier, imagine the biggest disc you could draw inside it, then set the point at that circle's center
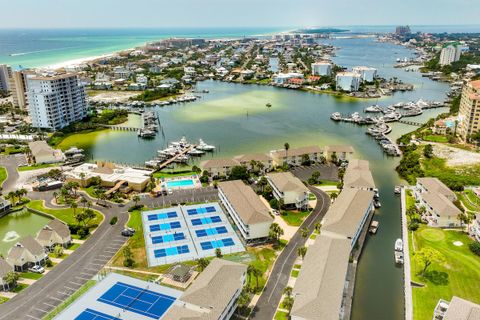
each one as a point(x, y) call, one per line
point(171, 160)
point(412, 123)
point(120, 128)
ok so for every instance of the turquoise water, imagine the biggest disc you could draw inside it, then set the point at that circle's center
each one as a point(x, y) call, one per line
point(180, 183)
point(43, 47)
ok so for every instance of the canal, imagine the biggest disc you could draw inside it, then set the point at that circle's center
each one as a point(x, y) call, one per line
point(235, 119)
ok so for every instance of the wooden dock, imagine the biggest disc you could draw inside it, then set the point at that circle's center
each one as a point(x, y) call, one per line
point(120, 128)
point(412, 123)
point(169, 161)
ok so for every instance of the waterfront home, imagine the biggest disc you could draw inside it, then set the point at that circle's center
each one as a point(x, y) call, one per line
point(347, 216)
point(341, 152)
point(289, 189)
point(5, 205)
point(111, 175)
point(213, 295)
point(294, 156)
point(358, 175)
point(5, 268)
point(121, 73)
point(54, 233)
point(246, 160)
point(474, 229)
point(26, 253)
point(347, 81)
point(244, 206)
point(320, 286)
point(367, 74)
point(437, 199)
point(457, 309)
point(219, 167)
point(42, 153)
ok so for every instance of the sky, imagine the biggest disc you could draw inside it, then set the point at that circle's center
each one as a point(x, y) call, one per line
point(234, 13)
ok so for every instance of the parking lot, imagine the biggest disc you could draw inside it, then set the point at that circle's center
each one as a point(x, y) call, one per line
point(181, 197)
point(327, 172)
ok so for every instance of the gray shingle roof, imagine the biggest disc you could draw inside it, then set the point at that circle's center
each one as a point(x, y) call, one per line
point(460, 309)
point(358, 175)
point(5, 268)
point(441, 204)
point(436, 186)
point(286, 181)
point(245, 202)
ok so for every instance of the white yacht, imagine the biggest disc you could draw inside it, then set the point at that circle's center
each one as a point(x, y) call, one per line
point(336, 116)
point(204, 147)
point(196, 152)
point(399, 245)
point(374, 108)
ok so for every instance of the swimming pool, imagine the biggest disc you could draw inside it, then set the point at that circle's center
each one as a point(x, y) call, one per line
point(180, 183)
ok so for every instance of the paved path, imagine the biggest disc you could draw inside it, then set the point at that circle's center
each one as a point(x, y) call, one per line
point(67, 277)
point(11, 164)
point(278, 280)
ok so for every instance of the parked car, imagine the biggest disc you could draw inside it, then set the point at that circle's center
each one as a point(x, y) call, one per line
point(37, 269)
point(128, 232)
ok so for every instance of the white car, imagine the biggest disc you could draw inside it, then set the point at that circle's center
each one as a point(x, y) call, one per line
point(37, 269)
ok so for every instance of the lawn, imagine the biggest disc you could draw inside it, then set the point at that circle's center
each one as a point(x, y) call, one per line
point(465, 175)
point(70, 300)
point(20, 287)
point(459, 275)
point(163, 174)
point(409, 199)
point(91, 191)
point(3, 300)
point(73, 246)
point(80, 139)
point(65, 215)
point(3, 175)
point(294, 218)
point(326, 183)
point(37, 166)
point(281, 315)
point(436, 138)
point(467, 201)
point(30, 275)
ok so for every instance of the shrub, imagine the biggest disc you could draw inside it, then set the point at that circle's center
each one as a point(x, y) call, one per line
point(412, 225)
point(83, 232)
point(49, 263)
point(114, 220)
point(274, 204)
point(475, 247)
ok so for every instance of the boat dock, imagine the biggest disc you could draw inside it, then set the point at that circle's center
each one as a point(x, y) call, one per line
point(174, 158)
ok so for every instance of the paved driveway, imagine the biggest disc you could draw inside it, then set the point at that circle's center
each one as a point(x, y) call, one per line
point(278, 280)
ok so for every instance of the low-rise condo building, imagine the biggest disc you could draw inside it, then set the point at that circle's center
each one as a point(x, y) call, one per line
point(244, 206)
point(437, 199)
point(213, 295)
point(474, 229)
point(289, 189)
point(56, 101)
point(111, 175)
point(253, 160)
point(367, 74)
point(358, 175)
point(42, 153)
point(219, 167)
point(294, 156)
point(340, 152)
point(457, 309)
point(5, 268)
point(321, 68)
point(348, 81)
point(469, 112)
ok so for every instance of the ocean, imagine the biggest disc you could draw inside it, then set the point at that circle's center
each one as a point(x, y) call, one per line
point(30, 48)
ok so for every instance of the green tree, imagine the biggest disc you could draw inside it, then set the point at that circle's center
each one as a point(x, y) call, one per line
point(196, 169)
point(302, 251)
point(288, 303)
point(334, 195)
point(202, 263)
point(275, 231)
point(426, 256)
point(317, 227)
point(305, 232)
point(243, 300)
point(136, 199)
point(286, 145)
point(218, 253)
point(128, 260)
point(238, 173)
point(88, 215)
point(11, 279)
point(305, 160)
point(58, 251)
point(428, 151)
point(288, 291)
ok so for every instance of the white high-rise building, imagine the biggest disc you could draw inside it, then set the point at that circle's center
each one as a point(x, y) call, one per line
point(55, 101)
point(321, 68)
point(450, 53)
point(348, 81)
point(367, 74)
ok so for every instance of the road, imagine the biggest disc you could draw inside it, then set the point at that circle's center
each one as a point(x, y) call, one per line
point(11, 163)
point(278, 280)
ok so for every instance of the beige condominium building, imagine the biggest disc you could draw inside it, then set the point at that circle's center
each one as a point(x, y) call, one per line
point(244, 206)
point(289, 189)
point(469, 110)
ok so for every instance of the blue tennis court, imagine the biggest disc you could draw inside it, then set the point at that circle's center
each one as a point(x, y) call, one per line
point(168, 238)
point(172, 251)
point(160, 216)
point(207, 245)
point(201, 221)
point(165, 226)
point(211, 231)
point(138, 300)
point(201, 210)
point(90, 314)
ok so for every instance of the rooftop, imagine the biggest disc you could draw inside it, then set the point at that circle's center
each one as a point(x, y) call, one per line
point(286, 181)
point(441, 204)
point(219, 163)
point(245, 202)
point(436, 186)
point(460, 309)
point(358, 175)
point(296, 151)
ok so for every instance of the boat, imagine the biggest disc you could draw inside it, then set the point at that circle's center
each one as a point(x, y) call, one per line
point(182, 143)
point(374, 108)
point(336, 116)
point(373, 227)
point(195, 152)
point(204, 147)
point(377, 204)
point(269, 105)
point(399, 245)
point(145, 133)
point(398, 257)
point(398, 189)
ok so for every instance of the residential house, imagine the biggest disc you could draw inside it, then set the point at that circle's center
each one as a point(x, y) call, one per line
point(246, 209)
point(54, 233)
point(5, 205)
point(340, 152)
point(5, 268)
point(289, 189)
point(26, 253)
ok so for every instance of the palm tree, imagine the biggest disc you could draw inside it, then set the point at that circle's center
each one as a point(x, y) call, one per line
point(257, 273)
point(260, 166)
point(305, 232)
point(11, 196)
point(84, 201)
point(136, 199)
point(302, 251)
point(243, 300)
point(253, 163)
point(82, 177)
point(55, 196)
point(333, 195)
point(250, 269)
point(288, 291)
point(317, 227)
point(74, 207)
point(287, 146)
